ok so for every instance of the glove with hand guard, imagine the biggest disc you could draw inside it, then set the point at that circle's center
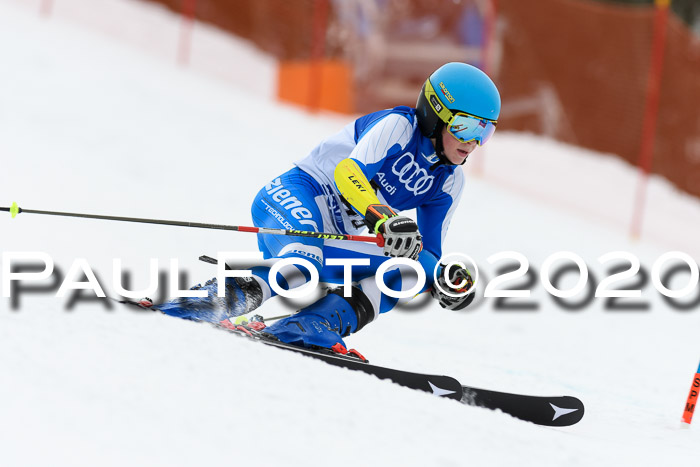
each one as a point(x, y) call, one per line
point(400, 233)
point(458, 281)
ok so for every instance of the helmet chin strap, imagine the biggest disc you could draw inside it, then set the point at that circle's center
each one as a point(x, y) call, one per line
point(440, 150)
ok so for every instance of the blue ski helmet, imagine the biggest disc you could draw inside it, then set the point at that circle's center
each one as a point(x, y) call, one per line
point(456, 87)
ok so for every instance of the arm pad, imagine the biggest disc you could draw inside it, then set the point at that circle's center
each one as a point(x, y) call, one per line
point(354, 186)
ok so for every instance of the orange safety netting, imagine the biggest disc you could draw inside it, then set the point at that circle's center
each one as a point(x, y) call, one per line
point(574, 70)
point(589, 62)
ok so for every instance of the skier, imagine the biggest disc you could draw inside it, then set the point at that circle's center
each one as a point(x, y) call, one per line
point(364, 176)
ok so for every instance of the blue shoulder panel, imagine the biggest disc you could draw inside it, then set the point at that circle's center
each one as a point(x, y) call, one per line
point(363, 124)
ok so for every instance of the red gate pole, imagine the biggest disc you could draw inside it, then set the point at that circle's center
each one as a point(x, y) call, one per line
point(318, 50)
point(692, 399)
point(488, 34)
point(651, 112)
point(185, 45)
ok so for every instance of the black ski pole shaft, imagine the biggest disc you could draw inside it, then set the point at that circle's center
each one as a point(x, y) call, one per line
point(274, 318)
point(14, 210)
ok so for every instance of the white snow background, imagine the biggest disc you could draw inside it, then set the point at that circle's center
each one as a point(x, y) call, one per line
point(96, 117)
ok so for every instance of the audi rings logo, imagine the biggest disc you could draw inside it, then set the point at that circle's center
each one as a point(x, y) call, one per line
point(413, 176)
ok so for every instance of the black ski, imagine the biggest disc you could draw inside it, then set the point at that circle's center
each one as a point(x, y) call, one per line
point(548, 411)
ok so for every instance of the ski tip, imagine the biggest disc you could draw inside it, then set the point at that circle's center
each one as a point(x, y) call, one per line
point(14, 209)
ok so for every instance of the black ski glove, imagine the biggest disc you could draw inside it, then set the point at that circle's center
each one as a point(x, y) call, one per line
point(461, 281)
point(401, 235)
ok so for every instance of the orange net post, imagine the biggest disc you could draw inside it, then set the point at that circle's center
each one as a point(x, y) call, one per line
point(318, 49)
point(311, 77)
point(189, 8)
point(487, 47)
point(46, 8)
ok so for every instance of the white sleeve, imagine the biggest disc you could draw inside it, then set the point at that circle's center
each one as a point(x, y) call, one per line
point(389, 134)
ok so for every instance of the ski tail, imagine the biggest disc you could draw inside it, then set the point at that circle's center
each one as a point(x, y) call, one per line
point(548, 411)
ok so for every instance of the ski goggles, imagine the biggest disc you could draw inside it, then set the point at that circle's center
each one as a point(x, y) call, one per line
point(461, 125)
point(465, 128)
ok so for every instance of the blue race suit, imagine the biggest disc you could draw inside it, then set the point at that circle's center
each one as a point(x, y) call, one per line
point(401, 165)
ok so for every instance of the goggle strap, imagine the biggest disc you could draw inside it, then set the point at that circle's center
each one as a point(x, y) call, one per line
point(442, 112)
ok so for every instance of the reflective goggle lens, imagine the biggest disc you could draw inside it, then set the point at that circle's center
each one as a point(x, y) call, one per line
point(468, 128)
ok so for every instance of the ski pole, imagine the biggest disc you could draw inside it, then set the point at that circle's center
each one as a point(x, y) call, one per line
point(14, 210)
point(243, 320)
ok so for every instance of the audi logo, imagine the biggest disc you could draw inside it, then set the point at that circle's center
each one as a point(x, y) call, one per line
point(413, 177)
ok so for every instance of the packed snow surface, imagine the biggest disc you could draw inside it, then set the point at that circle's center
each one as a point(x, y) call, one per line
point(92, 122)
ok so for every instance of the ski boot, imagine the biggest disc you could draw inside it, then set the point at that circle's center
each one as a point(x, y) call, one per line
point(324, 323)
point(243, 295)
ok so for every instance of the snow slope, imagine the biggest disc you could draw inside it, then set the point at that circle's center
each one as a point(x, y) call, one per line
point(90, 122)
